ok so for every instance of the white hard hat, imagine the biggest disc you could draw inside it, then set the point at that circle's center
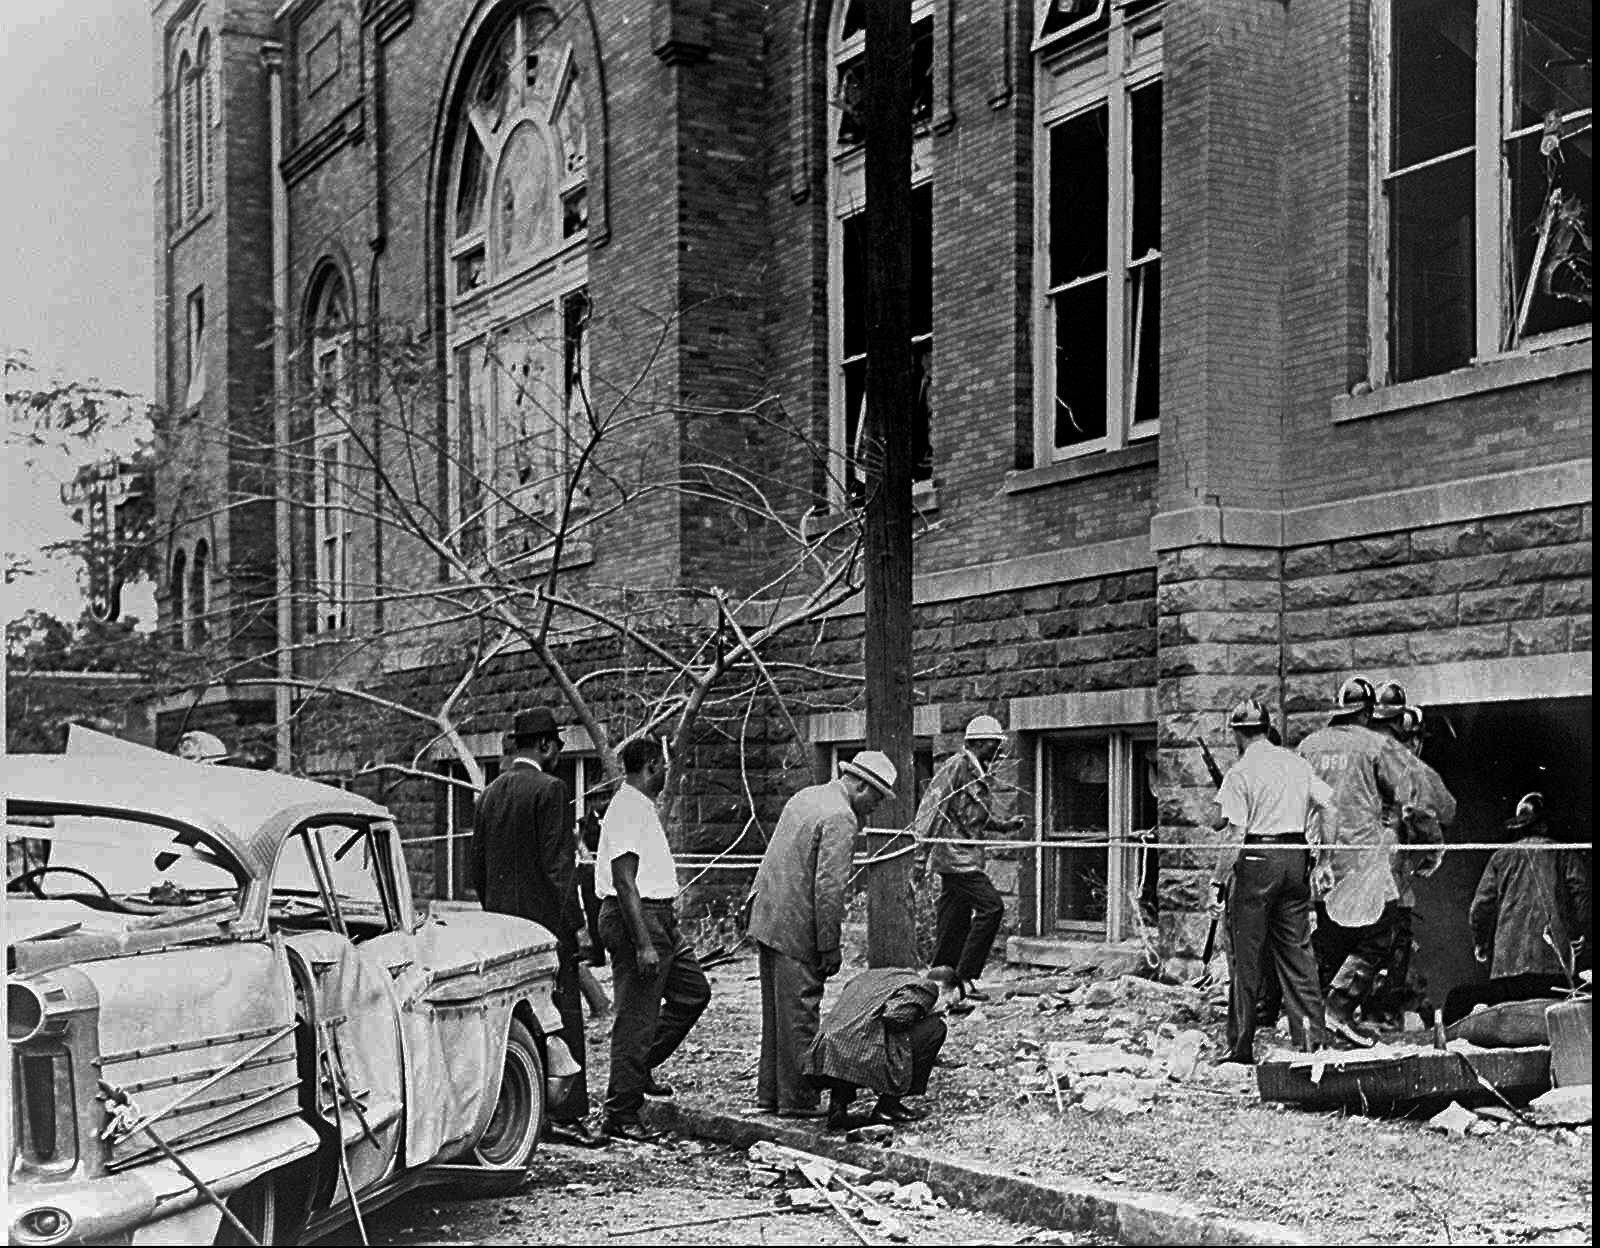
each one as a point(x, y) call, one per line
point(201, 747)
point(874, 768)
point(985, 728)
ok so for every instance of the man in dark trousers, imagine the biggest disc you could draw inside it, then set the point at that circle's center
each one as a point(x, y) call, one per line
point(883, 1033)
point(796, 912)
point(958, 806)
point(1271, 805)
point(524, 856)
point(1530, 889)
point(661, 990)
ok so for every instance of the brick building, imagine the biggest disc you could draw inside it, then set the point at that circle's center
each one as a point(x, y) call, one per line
point(1254, 348)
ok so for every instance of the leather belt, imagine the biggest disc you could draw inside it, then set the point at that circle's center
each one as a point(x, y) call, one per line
point(1279, 838)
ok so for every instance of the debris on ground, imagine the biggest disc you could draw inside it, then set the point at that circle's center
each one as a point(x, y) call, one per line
point(1570, 1106)
point(879, 1203)
point(1453, 1120)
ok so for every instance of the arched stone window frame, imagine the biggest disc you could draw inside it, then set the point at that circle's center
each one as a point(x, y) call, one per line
point(178, 588)
point(200, 593)
point(846, 203)
point(330, 382)
point(193, 102)
point(205, 76)
point(514, 286)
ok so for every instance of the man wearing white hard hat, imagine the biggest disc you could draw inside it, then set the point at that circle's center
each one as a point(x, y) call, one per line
point(959, 806)
point(796, 912)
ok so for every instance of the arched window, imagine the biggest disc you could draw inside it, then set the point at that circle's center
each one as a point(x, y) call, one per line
point(330, 337)
point(200, 592)
point(207, 117)
point(178, 584)
point(847, 244)
point(516, 215)
point(187, 105)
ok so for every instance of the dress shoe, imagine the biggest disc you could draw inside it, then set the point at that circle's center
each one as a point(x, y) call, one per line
point(626, 1129)
point(814, 1111)
point(972, 992)
point(575, 1134)
point(1338, 1016)
point(892, 1109)
point(654, 1087)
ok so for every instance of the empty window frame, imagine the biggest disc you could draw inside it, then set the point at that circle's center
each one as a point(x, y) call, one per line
point(200, 594)
point(1099, 198)
point(848, 253)
point(1483, 152)
point(178, 588)
point(332, 502)
point(194, 349)
point(1094, 787)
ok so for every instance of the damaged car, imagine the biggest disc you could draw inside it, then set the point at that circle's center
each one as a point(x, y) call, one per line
point(228, 1021)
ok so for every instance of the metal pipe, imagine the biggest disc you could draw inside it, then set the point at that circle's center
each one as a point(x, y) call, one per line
point(283, 529)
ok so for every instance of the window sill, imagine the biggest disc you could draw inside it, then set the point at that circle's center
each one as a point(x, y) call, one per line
point(1097, 465)
point(181, 232)
point(1501, 373)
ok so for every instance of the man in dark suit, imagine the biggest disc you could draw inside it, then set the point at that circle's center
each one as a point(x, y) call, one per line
point(524, 856)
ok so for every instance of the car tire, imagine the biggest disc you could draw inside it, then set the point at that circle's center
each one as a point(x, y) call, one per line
point(265, 1207)
point(512, 1135)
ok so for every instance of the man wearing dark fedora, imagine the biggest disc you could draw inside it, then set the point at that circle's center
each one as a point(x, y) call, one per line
point(524, 860)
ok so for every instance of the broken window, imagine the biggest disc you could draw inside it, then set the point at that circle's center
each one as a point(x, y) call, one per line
point(848, 287)
point(1485, 218)
point(1098, 805)
point(854, 362)
point(1101, 222)
point(331, 443)
point(1065, 18)
point(200, 592)
point(178, 586)
point(195, 348)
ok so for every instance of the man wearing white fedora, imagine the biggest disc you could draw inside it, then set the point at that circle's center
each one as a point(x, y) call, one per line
point(796, 911)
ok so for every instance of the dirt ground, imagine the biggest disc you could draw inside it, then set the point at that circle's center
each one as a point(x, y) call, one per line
point(1208, 1140)
point(617, 1195)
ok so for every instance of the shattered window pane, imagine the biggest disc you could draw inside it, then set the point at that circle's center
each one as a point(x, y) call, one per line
point(922, 72)
point(1551, 161)
point(1080, 17)
point(1078, 218)
point(1435, 75)
point(1144, 271)
point(1432, 286)
point(851, 83)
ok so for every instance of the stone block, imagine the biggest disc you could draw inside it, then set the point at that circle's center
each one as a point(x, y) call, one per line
point(1536, 528)
point(1483, 641)
point(1540, 636)
point(1036, 601)
point(1135, 644)
point(1099, 676)
point(1140, 584)
point(1183, 889)
point(1332, 655)
point(1514, 602)
point(1080, 593)
point(1257, 660)
point(1179, 597)
point(1117, 617)
point(1583, 634)
point(1244, 563)
point(1184, 808)
point(1035, 654)
point(1450, 541)
point(1219, 626)
point(1371, 653)
point(1190, 660)
point(1371, 552)
point(1058, 624)
point(1309, 625)
point(1569, 597)
point(1185, 768)
point(1552, 563)
point(1308, 560)
point(1312, 693)
point(1189, 695)
point(1394, 616)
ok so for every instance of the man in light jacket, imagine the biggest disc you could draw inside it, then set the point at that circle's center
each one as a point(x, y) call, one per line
point(797, 908)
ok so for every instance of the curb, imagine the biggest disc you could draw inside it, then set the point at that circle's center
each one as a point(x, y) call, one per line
point(1123, 1217)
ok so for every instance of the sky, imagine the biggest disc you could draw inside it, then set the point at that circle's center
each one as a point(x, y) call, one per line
point(77, 124)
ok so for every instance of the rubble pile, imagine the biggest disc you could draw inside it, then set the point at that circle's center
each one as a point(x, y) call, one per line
point(806, 1181)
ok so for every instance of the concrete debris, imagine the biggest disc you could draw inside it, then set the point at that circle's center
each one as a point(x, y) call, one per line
point(1179, 1057)
point(916, 1196)
point(1453, 1120)
point(1080, 1060)
point(1119, 1095)
point(871, 1133)
point(1569, 1106)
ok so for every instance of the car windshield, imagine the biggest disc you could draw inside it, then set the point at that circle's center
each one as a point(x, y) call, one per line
point(349, 855)
point(79, 855)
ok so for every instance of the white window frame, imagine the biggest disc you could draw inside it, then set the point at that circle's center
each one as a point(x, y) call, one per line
point(332, 505)
point(482, 317)
point(1495, 320)
point(1074, 79)
point(1121, 860)
point(847, 197)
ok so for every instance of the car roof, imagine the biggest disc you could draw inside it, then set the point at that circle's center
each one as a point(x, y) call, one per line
point(249, 812)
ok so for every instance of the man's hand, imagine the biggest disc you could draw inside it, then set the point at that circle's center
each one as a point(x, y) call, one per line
point(1219, 900)
point(830, 962)
point(1015, 823)
point(1322, 878)
point(1480, 953)
point(648, 961)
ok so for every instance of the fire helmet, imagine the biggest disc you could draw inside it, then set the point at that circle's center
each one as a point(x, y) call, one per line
point(1390, 700)
point(1355, 695)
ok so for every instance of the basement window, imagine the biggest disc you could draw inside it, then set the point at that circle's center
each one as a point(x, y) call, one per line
point(1484, 144)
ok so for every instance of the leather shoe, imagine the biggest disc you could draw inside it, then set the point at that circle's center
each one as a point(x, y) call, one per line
point(575, 1134)
point(888, 1110)
point(814, 1111)
point(654, 1087)
point(623, 1129)
point(973, 993)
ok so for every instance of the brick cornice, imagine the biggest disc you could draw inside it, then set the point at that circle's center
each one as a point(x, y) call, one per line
point(346, 128)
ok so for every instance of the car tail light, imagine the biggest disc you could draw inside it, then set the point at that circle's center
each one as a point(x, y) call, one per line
point(46, 1109)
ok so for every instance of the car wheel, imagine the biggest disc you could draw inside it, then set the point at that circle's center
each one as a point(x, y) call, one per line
point(263, 1206)
point(513, 1131)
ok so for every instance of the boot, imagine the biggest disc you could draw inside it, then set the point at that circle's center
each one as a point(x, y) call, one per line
point(1339, 1016)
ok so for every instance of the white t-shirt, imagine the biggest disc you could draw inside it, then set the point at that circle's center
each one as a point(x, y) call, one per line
point(1270, 791)
point(632, 826)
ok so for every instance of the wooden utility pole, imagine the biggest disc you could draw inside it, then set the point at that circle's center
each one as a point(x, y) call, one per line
point(887, 454)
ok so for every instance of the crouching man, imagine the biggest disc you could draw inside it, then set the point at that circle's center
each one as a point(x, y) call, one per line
point(884, 1034)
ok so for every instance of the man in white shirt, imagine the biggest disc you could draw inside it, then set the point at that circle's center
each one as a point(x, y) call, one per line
point(659, 986)
point(1271, 803)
